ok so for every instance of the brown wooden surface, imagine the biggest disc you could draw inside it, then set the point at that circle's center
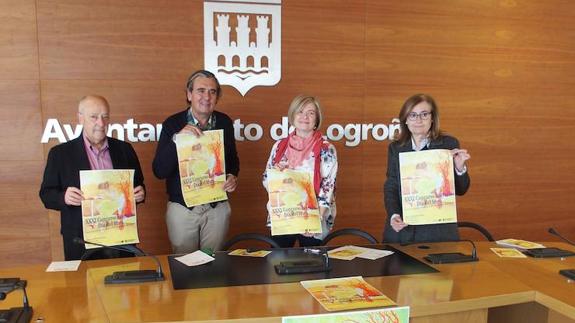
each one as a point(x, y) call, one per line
point(458, 293)
point(501, 71)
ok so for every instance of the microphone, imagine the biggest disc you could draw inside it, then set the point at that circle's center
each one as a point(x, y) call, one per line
point(132, 276)
point(448, 257)
point(569, 273)
point(17, 314)
point(306, 266)
point(555, 233)
point(453, 257)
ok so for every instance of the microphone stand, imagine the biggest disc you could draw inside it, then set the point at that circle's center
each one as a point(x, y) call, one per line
point(550, 252)
point(555, 233)
point(569, 273)
point(306, 266)
point(453, 257)
point(19, 314)
point(131, 276)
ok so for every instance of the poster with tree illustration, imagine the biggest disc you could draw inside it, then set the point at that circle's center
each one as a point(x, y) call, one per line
point(109, 207)
point(202, 167)
point(427, 187)
point(293, 204)
point(346, 293)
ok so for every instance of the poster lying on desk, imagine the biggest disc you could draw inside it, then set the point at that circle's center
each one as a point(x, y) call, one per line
point(347, 293)
point(202, 166)
point(292, 202)
point(384, 315)
point(109, 207)
point(427, 187)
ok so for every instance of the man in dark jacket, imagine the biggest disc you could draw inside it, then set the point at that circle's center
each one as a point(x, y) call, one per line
point(93, 149)
point(202, 226)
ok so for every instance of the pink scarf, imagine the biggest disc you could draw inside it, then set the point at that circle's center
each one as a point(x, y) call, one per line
point(298, 149)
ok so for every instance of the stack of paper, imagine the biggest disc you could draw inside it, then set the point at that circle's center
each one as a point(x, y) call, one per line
point(519, 244)
point(350, 252)
point(195, 258)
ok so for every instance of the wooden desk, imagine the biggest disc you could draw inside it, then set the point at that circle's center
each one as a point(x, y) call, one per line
point(493, 289)
point(553, 296)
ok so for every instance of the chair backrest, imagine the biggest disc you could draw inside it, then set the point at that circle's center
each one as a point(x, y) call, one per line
point(477, 227)
point(249, 236)
point(122, 251)
point(349, 231)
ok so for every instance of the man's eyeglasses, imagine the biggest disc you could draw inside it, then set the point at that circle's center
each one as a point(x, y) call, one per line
point(425, 115)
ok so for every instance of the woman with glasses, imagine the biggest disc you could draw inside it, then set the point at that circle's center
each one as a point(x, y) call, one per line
point(419, 118)
point(306, 150)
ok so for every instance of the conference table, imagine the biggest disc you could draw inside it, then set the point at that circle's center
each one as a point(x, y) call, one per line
point(492, 289)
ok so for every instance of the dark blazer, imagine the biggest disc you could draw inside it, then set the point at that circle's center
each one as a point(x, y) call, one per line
point(392, 197)
point(165, 164)
point(63, 170)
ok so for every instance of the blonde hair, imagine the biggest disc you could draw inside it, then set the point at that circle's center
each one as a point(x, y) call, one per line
point(299, 102)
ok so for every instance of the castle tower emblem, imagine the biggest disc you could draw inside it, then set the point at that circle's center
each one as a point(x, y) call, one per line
point(242, 42)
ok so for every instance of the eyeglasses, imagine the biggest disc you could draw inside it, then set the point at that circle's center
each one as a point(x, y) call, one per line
point(425, 115)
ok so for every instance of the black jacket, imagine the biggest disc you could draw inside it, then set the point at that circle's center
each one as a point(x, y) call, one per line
point(63, 170)
point(392, 197)
point(165, 164)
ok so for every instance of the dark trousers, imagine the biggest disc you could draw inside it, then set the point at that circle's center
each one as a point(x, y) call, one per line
point(288, 240)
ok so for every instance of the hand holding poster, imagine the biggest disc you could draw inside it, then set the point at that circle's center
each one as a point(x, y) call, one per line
point(109, 207)
point(427, 187)
point(202, 167)
point(293, 204)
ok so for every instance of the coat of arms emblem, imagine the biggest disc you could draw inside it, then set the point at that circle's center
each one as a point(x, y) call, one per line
point(242, 42)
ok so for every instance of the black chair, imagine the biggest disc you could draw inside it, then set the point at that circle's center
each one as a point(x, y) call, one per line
point(477, 227)
point(349, 231)
point(122, 251)
point(249, 236)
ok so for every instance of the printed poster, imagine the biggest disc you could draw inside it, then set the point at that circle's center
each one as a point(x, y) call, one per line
point(520, 244)
point(348, 293)
point(292, 201)
point(508, 253)
point(427, 187)
point(109, 207)
point(202, 167)
point(384, 315)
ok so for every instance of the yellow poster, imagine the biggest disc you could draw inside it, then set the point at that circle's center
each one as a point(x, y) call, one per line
point(427, 187)
point(293, 205)
point(202, 167)
point(338, 294)
point(109, 207)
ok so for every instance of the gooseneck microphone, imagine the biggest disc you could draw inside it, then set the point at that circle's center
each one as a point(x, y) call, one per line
point(555, 233)
point(17, 314)
point(569, 273)
point(448, 257)
point(132, 276)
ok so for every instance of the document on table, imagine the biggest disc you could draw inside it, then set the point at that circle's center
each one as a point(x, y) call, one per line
point(508, 253)
point(63, 266)
point(350, 252)
point(246, 253)
point(195, 258)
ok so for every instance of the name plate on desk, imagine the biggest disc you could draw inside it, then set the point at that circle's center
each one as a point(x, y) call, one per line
point(228, 270)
